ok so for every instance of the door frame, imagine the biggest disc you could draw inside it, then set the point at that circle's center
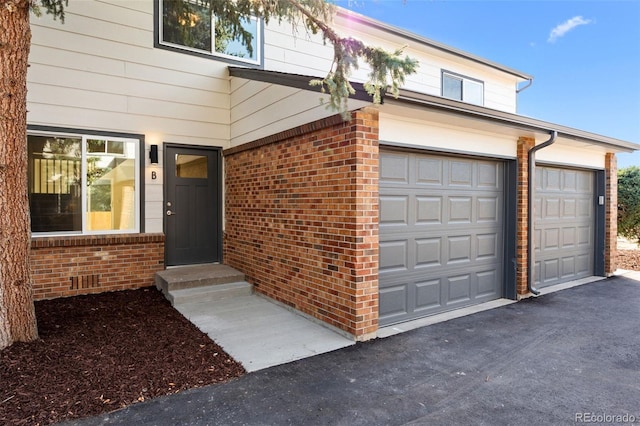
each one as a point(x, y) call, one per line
point(217, 150)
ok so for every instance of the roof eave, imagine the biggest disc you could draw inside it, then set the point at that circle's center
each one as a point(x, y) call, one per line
point(409, 36)
point(512, 120)
point(297, 81)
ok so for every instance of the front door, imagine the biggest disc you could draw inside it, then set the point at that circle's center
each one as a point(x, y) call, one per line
point(192, 205)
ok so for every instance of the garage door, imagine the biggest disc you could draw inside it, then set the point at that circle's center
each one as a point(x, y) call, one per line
point(564, 225)
point(441, 234)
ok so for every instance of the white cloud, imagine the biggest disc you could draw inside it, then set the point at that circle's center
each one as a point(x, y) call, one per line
point(561, 29)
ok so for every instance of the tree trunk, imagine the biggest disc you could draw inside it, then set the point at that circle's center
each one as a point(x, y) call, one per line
point(17, 313)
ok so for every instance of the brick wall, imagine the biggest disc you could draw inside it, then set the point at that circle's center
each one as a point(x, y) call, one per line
point(522, 215)
point(301, 211)
point(611, 214)
point(73, 265)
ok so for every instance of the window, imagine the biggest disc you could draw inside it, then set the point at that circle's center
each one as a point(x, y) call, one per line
point(462, 88)
point(189, 25)
point(83, 183)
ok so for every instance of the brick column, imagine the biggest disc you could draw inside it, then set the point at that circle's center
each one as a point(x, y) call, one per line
point(522, 216)
point(611, 214)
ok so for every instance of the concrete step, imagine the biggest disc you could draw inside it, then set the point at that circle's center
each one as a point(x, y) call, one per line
point(209, 293)
point(205, 282)
point(191, 276)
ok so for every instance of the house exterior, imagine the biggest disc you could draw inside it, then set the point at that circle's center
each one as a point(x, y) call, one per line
point(148, 150)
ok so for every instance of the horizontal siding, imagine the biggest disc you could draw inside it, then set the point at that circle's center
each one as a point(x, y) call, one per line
point(125, 86)
point(100, 71)
point(261, 109)
point(304, 54)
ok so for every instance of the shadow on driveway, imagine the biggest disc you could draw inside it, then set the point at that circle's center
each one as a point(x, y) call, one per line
point(555, 359)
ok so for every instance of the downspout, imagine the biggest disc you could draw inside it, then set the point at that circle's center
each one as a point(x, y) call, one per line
point(531, 193)
point(526, 86)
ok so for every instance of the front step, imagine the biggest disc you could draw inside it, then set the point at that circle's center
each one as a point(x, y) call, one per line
point(201, 283)
point(209, 293)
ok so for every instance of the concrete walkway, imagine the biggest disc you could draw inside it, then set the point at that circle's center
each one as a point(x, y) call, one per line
point(563, 357)
point(259, 333)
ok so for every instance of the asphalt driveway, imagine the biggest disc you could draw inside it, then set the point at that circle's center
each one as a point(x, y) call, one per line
point(566, 356)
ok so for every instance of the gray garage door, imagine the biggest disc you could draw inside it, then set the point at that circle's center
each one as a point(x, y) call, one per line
point(441, 227)
point(564, 225)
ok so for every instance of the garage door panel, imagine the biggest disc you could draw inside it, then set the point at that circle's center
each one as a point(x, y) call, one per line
point(585, 183)
point(394, 210)
point(458, 249)
point(569, 210)
point(551, 270)
point(551, 208)
point(428, 210)
point(452, 239)
point(460, 173)
point(487, 247)
point(428, 295)
point(585, 235)
point(551, 179)
point(459, 288)
point(585, 208)
point(550, 239)
point(569, 181)
point(428, 252)
point(568, 266)
point(488, 209)
point(394, 300)
point(486, 283)
point(460, 210)
point(394, 256)
point(430, 171)
point(583, 264)
point(565, 225)
point(394, 169)
point(489, 176)
point(569, 239)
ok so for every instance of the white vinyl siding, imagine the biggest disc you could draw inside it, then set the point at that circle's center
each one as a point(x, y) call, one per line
point(99, 70)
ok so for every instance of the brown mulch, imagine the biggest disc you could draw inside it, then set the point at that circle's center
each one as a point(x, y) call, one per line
point(629, 259)
point(101, 352)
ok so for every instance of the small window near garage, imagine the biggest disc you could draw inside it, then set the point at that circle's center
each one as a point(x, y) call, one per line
point(83, 184)
point(191, 26)
point(462, 88)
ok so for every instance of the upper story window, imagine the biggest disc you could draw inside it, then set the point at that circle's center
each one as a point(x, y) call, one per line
point(190, 25)
point(83, 184)
point(461, 88)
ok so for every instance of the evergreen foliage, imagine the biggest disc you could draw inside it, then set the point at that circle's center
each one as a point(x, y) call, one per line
point(629, 202)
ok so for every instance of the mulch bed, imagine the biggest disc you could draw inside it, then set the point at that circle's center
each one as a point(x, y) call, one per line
point(98, 353)
point(629, 259)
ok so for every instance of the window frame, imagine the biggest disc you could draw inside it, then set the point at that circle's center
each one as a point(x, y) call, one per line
point(161, 44)
point(139, 164)
point(463, 78)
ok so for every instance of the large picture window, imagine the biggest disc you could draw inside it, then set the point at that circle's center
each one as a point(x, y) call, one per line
point(191, 26)
point(83, 184)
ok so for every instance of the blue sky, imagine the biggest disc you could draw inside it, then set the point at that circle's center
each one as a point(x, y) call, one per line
point(584, 55)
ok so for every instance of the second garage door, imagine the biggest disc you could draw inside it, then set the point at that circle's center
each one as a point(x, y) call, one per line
point(441, 233)
point(564, 225)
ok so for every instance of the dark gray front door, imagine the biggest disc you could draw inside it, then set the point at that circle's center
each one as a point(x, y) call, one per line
point(564, 225)
point(441, 234)
point(193, 225)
